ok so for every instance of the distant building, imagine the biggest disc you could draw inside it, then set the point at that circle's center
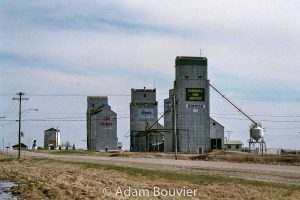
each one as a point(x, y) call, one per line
point(233, 145)
point(145, 132)
point(101, 125)
point(216, 135)
point(23, 147)
point(52, 138)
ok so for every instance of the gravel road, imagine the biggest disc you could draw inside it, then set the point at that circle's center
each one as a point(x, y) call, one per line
point(270, 173)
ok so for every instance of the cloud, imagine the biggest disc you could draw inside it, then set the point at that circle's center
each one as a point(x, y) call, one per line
point(104, 47)
point(241, 38)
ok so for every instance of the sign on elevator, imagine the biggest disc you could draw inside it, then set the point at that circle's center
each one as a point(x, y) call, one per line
point(195, 94)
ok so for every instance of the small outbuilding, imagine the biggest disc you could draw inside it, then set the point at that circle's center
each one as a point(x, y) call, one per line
point(216, 135)
point(23, 147)
point(233, 145)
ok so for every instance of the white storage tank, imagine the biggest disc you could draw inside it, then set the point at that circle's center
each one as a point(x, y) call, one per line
point(257, 132)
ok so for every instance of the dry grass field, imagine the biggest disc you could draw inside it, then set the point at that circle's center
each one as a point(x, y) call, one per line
point(53, 179)
point(242, 157)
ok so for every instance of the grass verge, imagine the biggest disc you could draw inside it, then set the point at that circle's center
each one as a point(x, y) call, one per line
point(192, 177)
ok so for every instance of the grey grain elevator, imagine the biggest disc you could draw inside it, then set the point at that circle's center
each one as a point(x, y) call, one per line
point(191, 89)
point(101, 125)
point(143, 115)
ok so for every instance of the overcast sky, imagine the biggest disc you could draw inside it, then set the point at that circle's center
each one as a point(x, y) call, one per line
point(50, 49)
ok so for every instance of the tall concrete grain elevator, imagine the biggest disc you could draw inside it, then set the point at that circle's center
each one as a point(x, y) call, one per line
point(191, 89)
point(101, 125)
point(143, 117)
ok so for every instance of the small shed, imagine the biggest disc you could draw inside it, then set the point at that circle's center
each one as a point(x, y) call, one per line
point(233, 145)
point(23, 147)
point(216, 135)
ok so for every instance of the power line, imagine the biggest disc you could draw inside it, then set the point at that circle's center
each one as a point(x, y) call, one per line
point(8, 123)
point(214, 114)
point(269, 99)
point(3, 95)
point(259, 115)
point(127, 94)
point(81, 119)
point(258, 97)
point(262, 120)
point(270, 128)
point(71, 119)
point(76, 95)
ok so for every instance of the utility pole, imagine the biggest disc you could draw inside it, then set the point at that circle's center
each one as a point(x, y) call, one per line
point(20, 99)
point(2, 138)
point(175, 124)
point(228, 135)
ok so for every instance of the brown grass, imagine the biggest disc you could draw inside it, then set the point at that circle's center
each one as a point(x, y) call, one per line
point(50, 179)
point(241, 157)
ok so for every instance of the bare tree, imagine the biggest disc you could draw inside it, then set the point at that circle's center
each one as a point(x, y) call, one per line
point(66, 145)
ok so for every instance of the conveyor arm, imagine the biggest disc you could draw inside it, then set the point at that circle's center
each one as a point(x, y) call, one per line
point(233, 104)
